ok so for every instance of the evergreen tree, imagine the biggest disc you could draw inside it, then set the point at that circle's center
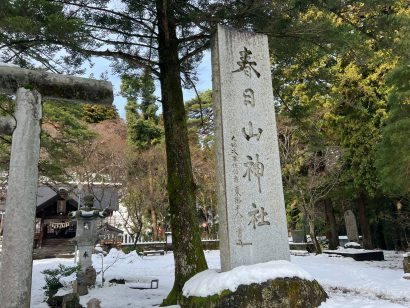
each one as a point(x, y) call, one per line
point(143, 128)
point(201, 119)
point(98, 113)
point(393, 159)
point(392, 154)
point(62, 134)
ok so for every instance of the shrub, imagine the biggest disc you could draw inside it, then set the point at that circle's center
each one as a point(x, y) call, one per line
point(52, 276)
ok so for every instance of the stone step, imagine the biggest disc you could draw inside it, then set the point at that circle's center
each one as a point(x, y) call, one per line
point(55, 248)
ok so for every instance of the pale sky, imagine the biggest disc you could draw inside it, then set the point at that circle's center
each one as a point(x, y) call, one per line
point(204, 82)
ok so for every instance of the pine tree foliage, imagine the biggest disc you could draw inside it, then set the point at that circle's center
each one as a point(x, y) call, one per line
point(201, 119)
point(98, 113)
point(393, 161)
point(143, 129)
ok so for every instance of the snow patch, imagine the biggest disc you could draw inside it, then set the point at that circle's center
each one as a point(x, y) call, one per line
point(62, 292)
point(67, 281)
point(212, 282)
point(352, 244)
point(8, 64)
point(86, 213)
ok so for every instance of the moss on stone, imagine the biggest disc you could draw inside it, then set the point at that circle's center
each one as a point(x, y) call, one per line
point(282, 292)
point(210, 301)
point(28, 86)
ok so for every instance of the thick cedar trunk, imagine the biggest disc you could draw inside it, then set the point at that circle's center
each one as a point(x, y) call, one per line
point(188, 254)
point(364, 224)
point(332, 226)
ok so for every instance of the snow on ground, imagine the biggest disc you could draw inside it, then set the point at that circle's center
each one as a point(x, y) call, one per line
point(8, 64)
point(348, 283)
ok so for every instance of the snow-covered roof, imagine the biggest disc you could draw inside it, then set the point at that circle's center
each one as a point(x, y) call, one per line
point(105, 196)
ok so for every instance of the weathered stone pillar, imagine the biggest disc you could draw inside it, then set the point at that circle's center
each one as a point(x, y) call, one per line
point(15, 285)
point(251, 208)
point(15, 272)
point(351, 226)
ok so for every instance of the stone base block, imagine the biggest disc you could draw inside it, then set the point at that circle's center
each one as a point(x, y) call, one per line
point(71, 300)
point(94, 303)
point(90, 276)
point(309, 247)
point(370, 255)
point(406, 263)
point(80, 288)
point(279, 293)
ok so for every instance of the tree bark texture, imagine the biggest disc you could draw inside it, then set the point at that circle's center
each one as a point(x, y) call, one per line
point(364, 223)
point(312, 231)
point(153, 211)
point(154, 223)
point(188, 254)
point(331, 224)
point(19, 222)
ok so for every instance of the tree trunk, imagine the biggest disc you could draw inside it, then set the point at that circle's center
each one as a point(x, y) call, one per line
point(312, 231)
point(1, 227)
point(154, 223)
point(188, 254)
point(294, 216)
point(152, 207)
point(364, 224)
point(331, 223)
point(137, 235)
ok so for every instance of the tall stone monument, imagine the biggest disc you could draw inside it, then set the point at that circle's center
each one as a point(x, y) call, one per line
point(252, 222)
point(30, 86)
point(351, 226)
point(250, 193)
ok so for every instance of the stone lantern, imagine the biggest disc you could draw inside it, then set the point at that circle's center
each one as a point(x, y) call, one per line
point(85, 239)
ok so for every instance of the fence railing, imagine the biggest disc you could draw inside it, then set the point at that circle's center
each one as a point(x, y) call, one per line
point(129, 240)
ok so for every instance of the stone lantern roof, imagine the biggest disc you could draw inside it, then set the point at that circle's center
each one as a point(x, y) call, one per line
point(88, 211)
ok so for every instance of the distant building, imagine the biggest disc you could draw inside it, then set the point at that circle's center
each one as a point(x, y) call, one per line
point(54, 202)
